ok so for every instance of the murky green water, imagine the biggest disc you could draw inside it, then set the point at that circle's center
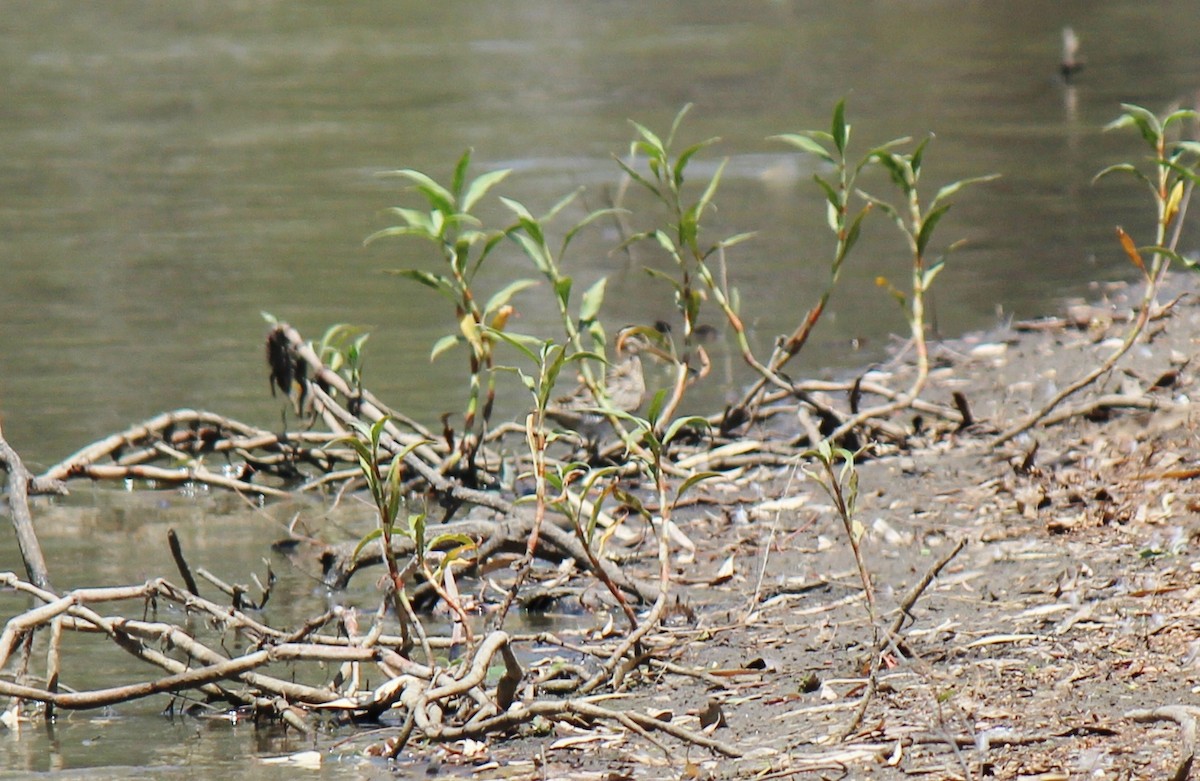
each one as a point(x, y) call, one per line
point(170, 170)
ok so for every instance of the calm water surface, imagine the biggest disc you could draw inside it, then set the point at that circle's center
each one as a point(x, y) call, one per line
point(171, 170)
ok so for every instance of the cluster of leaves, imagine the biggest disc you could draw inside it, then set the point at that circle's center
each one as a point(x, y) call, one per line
point(464, 243)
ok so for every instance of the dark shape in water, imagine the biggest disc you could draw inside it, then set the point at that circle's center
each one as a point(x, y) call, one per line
point(1071, 62)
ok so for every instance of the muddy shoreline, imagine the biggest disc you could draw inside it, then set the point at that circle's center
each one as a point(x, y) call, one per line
point(1070, 611)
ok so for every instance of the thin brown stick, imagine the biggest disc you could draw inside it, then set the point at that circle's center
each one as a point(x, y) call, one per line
point(19, 482)
point(181, 563)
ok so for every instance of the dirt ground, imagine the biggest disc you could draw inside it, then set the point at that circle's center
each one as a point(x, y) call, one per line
point(1071, 607)
point(1058, 640)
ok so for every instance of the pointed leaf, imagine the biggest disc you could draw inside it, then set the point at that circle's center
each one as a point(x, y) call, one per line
point(928, 225)
point(897, 167)
point(470, 329)
point(480, 187)
point(682, 161)
point(586, 221)
point(444, 344)
point(637, 177)
point(1173, 200)
point(805, 144)
point(1144, 120)
point(679, 423)
point(459, 178)
point(1124, 168)
point(593, 299)
point(436, 281)
point(528, 345)
point(399, 230)
point(839, 129)
point(501, 297)
point(367, 539)
point(517, 208)
point(954, 187)
point(1131, 250)
point(692, 479)
point(562, 290)
point(931, 273)
point(917, 156)
point(735, 239)
point(670, 280)
point(677, 121)
point(439, 197)
point(710, 191)
point(831, 194)
point(656, 144)
point(537, 252)
point(855, 230)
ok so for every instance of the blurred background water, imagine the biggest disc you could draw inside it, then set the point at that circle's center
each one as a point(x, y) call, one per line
point(171, 170)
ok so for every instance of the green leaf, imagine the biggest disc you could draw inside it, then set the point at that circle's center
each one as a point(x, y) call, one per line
point(562, 290)
point(930, 273)
point(359, 447)
point(857, 530)
point(505, 294)
point(1179, 115)
point(530, 346)
point(1184, 172)
point(954, 187)
point(736, 239)
point(710, 191)
point(917, 156)
point(377, 431)
point(592, 300)
point(588, 220)
point(443, 344)
point(1124, 168)
point(805, 144)
point(686, 155)
point(677, 121)
point(416, 531)
point(480, 187)
point(393, 493)
point(537, 252)
point(679, 423)
point(367, 539)
point(1144, 120)
point(855, 229)
point(928, 225)
point(562, 203)
point(655, 144)
point(460, 173)
point(883, 206)
point(831, 194)
point(439, 283)
point(637, 177)
point(692, 479)
point(414, 218)
point(400, 230)
point(670, 280)
point(463, 541)
point(665, 242)
point(517, 208)
point(839, 129)
point(439, 198)
point(897, 167)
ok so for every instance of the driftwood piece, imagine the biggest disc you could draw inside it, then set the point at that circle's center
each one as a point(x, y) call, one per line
point(442, 704)
point(20, 484)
